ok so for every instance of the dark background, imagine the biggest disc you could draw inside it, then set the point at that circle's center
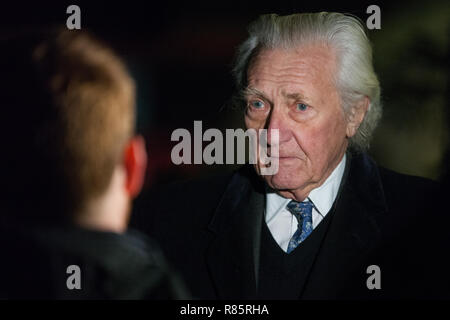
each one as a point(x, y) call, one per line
point(180, 55)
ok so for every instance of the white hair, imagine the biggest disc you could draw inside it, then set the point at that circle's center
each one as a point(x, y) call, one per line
point(355, 77)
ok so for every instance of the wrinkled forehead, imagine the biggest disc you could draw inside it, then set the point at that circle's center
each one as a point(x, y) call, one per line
point(316, 62)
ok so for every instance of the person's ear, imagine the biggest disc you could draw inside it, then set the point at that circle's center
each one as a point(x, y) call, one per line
point(356, 116)
point(135, 162)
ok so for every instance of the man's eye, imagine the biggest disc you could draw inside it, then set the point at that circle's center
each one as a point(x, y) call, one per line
point(257, 104)
point(302, 107)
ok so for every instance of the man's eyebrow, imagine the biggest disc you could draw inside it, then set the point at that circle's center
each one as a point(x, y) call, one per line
point(294, 96)
point(252, 92)
point(249, 91)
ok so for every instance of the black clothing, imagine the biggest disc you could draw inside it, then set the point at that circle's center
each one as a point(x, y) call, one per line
point(112, 266)
point(211, 230)
point(281, 275)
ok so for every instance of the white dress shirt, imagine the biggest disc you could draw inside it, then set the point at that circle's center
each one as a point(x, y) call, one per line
point(282, 224)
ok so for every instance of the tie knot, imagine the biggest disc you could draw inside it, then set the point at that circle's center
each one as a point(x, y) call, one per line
point(303, 209)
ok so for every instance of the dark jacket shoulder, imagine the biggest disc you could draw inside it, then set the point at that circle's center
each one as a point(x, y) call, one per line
point(41, 260)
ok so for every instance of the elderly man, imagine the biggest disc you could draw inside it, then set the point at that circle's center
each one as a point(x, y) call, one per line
point(329, 224)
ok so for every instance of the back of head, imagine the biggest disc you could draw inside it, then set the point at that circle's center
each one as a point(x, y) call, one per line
point(68, 110)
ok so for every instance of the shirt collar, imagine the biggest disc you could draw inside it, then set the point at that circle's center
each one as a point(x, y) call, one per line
point(323, 197)
point(274, 204)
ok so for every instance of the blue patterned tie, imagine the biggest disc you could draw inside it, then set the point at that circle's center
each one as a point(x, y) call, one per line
point(303, 212)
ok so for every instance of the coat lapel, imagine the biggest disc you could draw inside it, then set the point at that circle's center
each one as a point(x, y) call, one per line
point(233, 256)
point(353, 233)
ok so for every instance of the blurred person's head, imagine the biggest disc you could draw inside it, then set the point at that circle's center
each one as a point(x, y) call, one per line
point(68, 110)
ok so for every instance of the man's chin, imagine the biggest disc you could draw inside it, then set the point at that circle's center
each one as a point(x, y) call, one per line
point(282, 182)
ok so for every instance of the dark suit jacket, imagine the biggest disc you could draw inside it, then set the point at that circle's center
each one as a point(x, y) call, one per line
point(211, 230)
point(35, 259)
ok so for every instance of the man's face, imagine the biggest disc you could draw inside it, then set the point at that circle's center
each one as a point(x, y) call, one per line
point(293, 91)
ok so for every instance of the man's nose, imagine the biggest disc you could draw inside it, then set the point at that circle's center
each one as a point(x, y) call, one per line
point(278, 120)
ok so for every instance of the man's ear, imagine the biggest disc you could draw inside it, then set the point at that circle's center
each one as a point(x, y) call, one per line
point(135, 162)
point(356, 116)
